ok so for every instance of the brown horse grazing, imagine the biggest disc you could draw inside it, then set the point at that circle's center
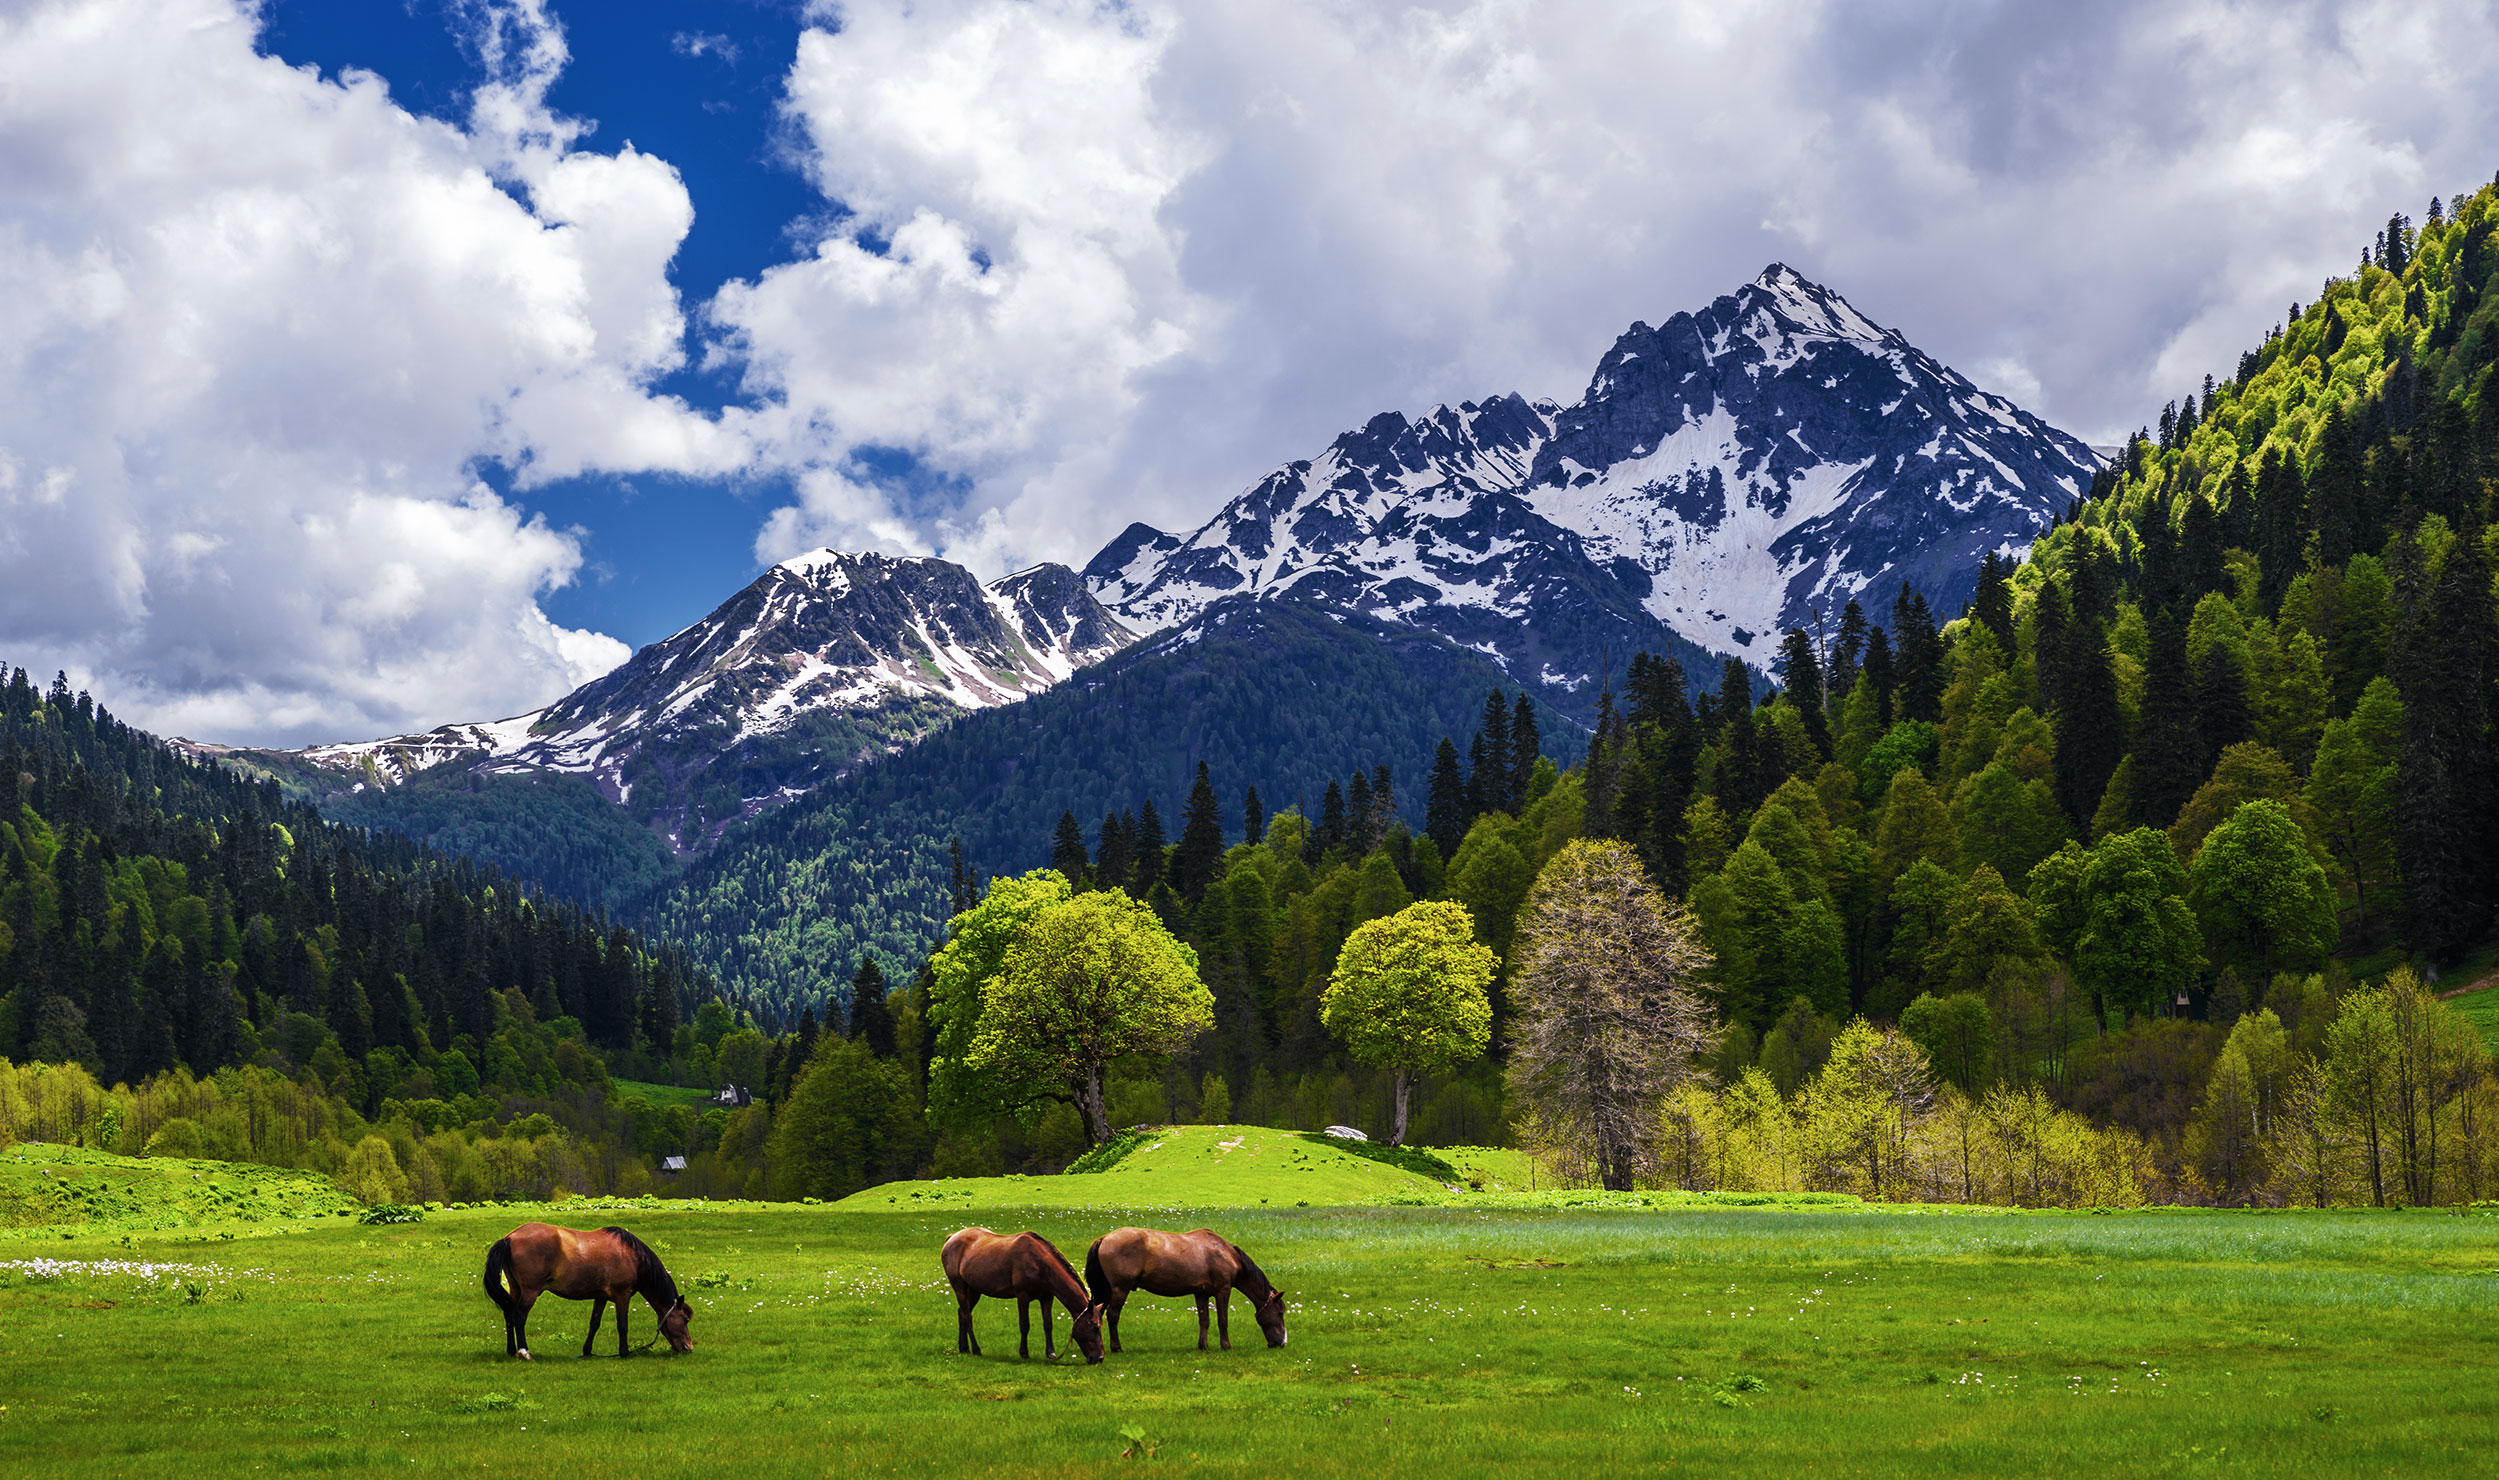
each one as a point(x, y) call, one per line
point(1199, 1263)
point(604, 1265)
point(1026, 1268)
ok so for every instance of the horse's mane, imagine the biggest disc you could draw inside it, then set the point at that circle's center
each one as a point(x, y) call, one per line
point(1062, 1258)
point(1253, 1278)
point(650, 1277)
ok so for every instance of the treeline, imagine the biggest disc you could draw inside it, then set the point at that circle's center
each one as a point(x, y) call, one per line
point(161, 914)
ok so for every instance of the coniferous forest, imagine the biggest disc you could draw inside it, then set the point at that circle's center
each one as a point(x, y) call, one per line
point(2137, 879)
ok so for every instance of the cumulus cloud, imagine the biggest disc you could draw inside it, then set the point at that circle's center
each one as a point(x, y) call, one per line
point(1116, 261)
point(256, 331)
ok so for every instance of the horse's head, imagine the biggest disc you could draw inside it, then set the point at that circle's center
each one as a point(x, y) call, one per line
point(1086, 1332)
point(673, 1326)
point(1270, 1309)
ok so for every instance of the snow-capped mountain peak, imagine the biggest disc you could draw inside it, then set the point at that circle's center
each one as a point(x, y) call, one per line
point(1726, 475)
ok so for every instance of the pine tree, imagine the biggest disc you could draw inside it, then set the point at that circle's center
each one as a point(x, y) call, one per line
point(1488, 759)
point(2444, 815)
point(2334, 495)
point(1738, 781)
point(1358, 814)
point(2281, 527)
point(1919, 656)
point(1200, 854)
point(1992, 607)
point(1067, 849)
point(1149, 847)
point(871, 1019)
point(1253, 818)
point(1526, 748)
point(2222, 714)
point(2169, 754)
point(1445, 812)
point(1848, 650)
point(2090, 730)
point(2050, 618)
point(1879, 669)
point(2199, 551)
point(1115, 857)
point(1801, 673)
point(1333, 831)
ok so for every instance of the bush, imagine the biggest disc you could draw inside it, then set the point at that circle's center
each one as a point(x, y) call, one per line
point(392, 1213)
point(1110, 1153)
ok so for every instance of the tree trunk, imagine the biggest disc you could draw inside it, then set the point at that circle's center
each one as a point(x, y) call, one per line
point(1405, 1082)
point(1089, 1105)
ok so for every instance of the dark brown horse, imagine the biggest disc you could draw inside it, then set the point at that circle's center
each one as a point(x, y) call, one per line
point(600, 1266)
point(1025, 1268)
point(1196, 1263)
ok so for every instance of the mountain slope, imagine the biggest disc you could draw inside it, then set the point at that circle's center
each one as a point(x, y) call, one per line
point(1725, 476)
point(825, 661)
point(1284, 695)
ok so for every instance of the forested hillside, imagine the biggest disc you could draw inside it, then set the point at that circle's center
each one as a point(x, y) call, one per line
point(1285, 694)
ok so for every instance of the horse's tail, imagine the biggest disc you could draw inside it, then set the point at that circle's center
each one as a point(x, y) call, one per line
point(499, 1259)
point(1097, 1282)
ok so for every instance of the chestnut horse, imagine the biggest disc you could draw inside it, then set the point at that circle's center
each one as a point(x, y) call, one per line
point(1199, 1263)
point(604, 1265)
point(1025, 1268)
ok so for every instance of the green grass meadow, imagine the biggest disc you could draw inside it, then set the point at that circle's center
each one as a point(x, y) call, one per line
point(1426, 1340)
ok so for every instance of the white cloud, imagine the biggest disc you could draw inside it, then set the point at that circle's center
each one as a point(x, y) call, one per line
point(1219, 233)
point(255, 329)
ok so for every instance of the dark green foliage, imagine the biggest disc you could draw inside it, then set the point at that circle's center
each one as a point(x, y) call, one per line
point(1067, 847)
point(2170, 757)
point(2090, 728)
point(2445, 815)
point(1488, 760)
point(1919, 656)
point(1194, 862)
point(1290, 693)
point(555, 830)
point(871, 1020)
point(1445, 812)
point(1800, 674)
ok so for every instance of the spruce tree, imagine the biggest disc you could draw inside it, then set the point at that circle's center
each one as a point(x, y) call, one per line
point(1200, 854)
point(1115, 857)
point(1149, 863)
point(1848, 650)
point(2169, 749)
point(1358, 814)
point(1333, 831)
point(2199, 551)
point(1879, 669)
point(871, 1019)
point(1445, 812)
point(1067, 849)
point(1919, 657)
point(1801, 672)
point(2444, 817)
point(1992, 607)
point(1526, 748)
point(2281, 527)
point(1253, 818)
point(1488, 758)
point(2090, 730)
point(2334, 495)
point(2049, 619)
point(1738, 780)
point(2222, 715)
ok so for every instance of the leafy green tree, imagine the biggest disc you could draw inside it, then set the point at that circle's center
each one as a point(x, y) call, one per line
point(1491, 877)
point(1915, 825)
point(1909, 745)
point(2008, 824)
point(1378, 892)
point(1086, 981)
point(1408, 995)
point(2298, 701)
point(2246, 772)
point(961, 1090)
point(1920, 911)
point(2140, 946)
point(1958, 1034)
point(2260, 899)
point(1986, 924)
point(2058, 904)
point(847, 1125)
point(2352, 792)
point(1797, 1045)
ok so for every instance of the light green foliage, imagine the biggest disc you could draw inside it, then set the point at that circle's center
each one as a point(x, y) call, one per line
point(1708, 838)
point(1921, 913)
point(1491, 876)
point(1408, 994)
point(2293, 708)
point(1086, 981)
point(2352, 793)
point(1378, 891)
point(1777, 831)
point(2058, 904)
point(1915, 825)
point(1958, 1034)
point(1986, 925)
point(1908, 745)
point(1770, 945)
point(2139, 945)
point(959, 1088)
point(2008, 824)
point(2261, 901)
point(2246, 772)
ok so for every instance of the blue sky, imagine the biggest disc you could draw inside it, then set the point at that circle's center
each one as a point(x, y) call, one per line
point(420, 386)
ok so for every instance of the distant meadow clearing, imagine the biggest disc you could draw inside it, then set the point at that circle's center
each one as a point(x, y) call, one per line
point(1792, 1338)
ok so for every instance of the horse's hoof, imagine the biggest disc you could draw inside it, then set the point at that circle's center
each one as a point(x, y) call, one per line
point(524, 1354)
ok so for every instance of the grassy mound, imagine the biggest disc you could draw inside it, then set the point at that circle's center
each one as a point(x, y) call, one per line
point(1218, 1166)
point(45, 1187)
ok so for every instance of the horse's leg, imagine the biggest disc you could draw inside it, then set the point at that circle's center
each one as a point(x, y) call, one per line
point(524, 1302)
point(622, 1306)
point(1117, 1303)
point(1049, 1345)
point(1201, 1323)
point(964, 1345)
point(1023, 1326)
point(1223, 1316)
point(598, 1308)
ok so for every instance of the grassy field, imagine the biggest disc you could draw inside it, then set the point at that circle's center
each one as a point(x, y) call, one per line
point(1425, 1340)
point(662, 1095)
